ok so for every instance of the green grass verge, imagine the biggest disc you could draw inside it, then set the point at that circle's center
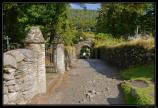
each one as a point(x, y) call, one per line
point(144, 95)
point(145, 72)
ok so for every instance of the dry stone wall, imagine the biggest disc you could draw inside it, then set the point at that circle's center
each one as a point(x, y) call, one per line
point(125, 56)
point(24, 70)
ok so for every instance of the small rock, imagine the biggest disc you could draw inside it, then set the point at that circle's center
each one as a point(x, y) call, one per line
point(89, 95)
point(83, 100)
point(107, 88)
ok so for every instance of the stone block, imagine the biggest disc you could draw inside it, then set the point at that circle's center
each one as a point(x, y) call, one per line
point(9, 76)
point(11, 88)
point(5, 90)
point(5, 99)
point(9, 70)
point(17, 88)
point(12, 97)
point(17, 54)
point(10, 82)
point(9, 60)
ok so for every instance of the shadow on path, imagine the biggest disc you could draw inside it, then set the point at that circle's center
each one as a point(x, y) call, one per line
point(110, 72)
point(119, 99)
point(104, 68)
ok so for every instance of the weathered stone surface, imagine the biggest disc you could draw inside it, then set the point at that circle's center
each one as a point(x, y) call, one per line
point(9, 70)
point(34, 35)
point(5, 90)
point(8, 76)
point(24, 69)
point(59, 58)
point(17, 54)
point(10, 82)
point(9, 60)
point(5, 99)
point(17, 88)
point(11, 88)
point(12, 97)
point(29, 55)
point(12, 103)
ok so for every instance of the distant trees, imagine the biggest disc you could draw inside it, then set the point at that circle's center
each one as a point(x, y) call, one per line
point(121, 19)
point(83, 20)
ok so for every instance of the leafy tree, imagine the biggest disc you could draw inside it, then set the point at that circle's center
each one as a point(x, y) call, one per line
point(83, 20)
point(19, 17)
point(121, 19)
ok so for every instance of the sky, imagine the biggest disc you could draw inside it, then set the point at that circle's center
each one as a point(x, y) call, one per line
point(88, 5)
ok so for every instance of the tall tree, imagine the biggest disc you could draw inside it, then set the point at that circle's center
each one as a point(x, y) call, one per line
point(121, 19)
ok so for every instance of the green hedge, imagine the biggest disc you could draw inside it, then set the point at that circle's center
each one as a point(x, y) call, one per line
point(126, 55)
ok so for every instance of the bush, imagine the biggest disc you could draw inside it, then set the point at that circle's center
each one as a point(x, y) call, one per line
point(129, 54)
point(102, 39)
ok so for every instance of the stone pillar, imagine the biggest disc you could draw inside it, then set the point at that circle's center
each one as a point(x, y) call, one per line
point(59, 58)
point(36, 43)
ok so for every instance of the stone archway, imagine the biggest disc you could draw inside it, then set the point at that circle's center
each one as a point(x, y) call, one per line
point(82, 44)
point(85, 52)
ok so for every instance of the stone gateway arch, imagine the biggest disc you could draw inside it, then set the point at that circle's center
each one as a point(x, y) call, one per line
point(81, 45)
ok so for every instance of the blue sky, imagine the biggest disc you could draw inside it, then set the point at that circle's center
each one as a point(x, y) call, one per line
point(88, 5)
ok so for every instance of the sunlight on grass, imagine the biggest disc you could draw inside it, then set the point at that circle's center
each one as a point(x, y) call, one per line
point(145, 72)
point(144, 95)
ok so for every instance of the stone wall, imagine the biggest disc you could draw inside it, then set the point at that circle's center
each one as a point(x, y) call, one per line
point(24, 70)
point(126, 55)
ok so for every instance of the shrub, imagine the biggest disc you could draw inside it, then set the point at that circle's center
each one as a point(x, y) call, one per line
point(129, 54)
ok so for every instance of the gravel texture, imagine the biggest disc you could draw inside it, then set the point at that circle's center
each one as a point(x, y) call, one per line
point(90, 82)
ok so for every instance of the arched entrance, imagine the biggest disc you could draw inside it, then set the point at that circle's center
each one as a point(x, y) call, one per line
point(84, 46)
point(85, 52)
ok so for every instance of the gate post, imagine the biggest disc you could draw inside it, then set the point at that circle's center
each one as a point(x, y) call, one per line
point(59, 56)
point(36, 43)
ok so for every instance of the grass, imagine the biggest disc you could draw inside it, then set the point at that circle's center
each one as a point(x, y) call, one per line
point(145, 72)
point(102, 39)
point(143, 96)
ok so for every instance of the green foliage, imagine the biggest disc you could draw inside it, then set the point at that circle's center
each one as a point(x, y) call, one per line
point(121, 19)
point(83, 20)
point(131, 53)
point(52, 18)
point(142, 96)
point(127, 93)
point(145, 72)
point(102, 39)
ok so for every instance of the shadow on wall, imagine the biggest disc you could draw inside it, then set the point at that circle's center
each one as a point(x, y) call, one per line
point(103, 68)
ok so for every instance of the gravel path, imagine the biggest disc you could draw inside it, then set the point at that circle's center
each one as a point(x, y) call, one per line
point(91, 82)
